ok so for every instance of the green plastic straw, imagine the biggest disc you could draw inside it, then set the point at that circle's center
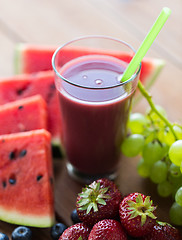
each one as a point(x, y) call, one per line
point(147, 42)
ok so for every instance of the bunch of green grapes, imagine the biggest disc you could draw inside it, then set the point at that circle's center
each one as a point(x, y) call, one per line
point(161, 155)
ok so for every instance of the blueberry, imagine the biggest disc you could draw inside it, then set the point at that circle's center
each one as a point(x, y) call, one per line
point(3, 236)
point(21, 233)
point(57, 230)
point(74, 216)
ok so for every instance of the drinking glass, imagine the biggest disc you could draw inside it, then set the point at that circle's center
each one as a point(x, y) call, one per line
point(94, 103)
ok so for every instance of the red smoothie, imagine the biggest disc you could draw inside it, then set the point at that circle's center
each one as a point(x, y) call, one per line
point(95, 109)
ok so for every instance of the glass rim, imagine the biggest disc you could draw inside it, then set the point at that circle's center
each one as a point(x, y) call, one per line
point(89, 37)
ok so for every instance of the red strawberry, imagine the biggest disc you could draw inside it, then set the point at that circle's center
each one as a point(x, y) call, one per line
point(77, 231)
point(137, 214)
point(163, 231)
point(99, 200)
point(107, 229)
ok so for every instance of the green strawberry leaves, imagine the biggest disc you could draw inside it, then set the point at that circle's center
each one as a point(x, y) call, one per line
point(91, 196)
point(142, 208)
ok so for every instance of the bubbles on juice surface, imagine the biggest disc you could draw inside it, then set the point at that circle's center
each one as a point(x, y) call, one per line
point(85, 77)
point(98, 81)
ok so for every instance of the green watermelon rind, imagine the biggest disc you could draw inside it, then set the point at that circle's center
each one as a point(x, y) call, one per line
point(14, 217)
point(18, 62)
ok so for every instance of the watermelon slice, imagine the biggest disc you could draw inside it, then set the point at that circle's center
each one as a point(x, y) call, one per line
point(26, 179)
point(23, 115)
point(34, 58)
point(26, 85)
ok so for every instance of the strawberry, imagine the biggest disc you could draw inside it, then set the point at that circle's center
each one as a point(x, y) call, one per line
point(77, 231)
point(137, 214)
point(163, 231)
point(107, 229)
point(98, 201)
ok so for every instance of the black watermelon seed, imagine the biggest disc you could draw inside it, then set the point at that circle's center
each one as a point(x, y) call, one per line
point(23, 153)
point(12, 181)
point(52, 86)
point(20, 107)
point(51, 93)
point(4, 183)
point(12, 155)
point(20, 91)
point(39, 177)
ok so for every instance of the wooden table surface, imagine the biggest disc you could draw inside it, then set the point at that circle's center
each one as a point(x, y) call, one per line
point(58, 21)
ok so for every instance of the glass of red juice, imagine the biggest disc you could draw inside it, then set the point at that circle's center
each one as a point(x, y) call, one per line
point(94, 103)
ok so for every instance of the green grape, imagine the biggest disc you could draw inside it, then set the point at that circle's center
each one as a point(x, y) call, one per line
point(174, 170)
point(158, 172)
point(178, 131)
point(178, 196)
point(164, 189)
point(165, 135)
point(137, 123)
point(150, 135)
point(168, 137)
point(160, 134)
point(175, 214)
point(154, 117)
point(175, 152)
point(174, 190)
point(154, 151)
point(132, 145)
point(176, 183)
point(143, 169)
point(175, 180)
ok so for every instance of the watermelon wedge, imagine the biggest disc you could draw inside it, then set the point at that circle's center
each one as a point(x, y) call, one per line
point(23, 115)
point(26, 85)
point(26, 179)
point(33, 58)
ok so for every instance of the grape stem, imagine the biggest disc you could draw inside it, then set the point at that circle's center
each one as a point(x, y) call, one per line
point(148, 97)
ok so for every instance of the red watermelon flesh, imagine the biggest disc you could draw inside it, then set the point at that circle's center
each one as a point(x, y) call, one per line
point(34, 58)
point(26, 179)
point(26, 85)
point(23, 115)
